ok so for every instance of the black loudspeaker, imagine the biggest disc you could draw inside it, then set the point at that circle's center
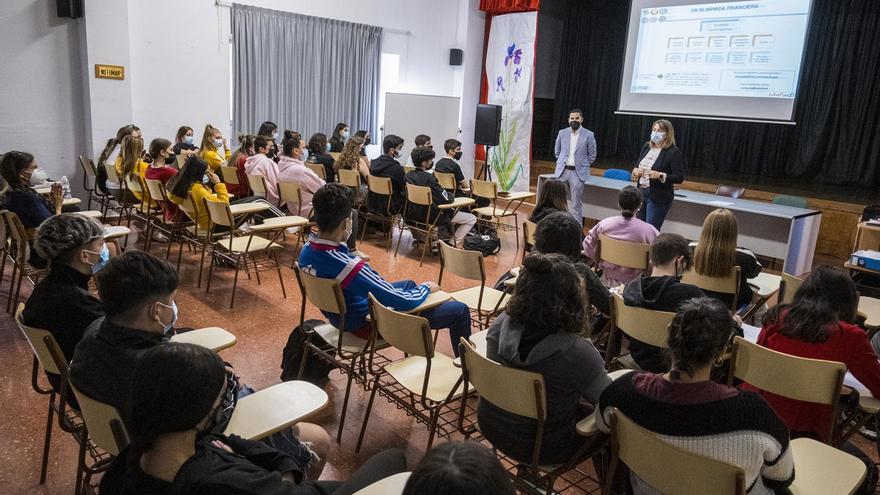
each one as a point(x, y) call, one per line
point(69, 8)
point(456, 56)
point(488, 125)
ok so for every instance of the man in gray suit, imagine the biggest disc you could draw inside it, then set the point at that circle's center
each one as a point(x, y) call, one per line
point(575, 152)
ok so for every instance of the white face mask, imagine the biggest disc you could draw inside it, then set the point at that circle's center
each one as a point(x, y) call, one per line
point(38, 177)
point(218, 142)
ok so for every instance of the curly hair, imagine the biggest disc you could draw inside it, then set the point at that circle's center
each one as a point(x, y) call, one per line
point(59, 236)
point(549, 296)
point(699, 332)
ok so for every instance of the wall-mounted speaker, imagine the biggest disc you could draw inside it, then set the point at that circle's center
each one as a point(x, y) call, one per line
point(69, 8)
point(488, 125)
point(456, 56)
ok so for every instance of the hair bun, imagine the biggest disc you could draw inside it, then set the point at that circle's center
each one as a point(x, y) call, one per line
point(538, 263)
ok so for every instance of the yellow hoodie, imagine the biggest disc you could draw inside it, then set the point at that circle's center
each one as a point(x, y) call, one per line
point(214, 160)
point(199, 193)
point(140, 168)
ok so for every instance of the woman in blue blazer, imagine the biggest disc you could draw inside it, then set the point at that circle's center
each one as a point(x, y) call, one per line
point(659, 168)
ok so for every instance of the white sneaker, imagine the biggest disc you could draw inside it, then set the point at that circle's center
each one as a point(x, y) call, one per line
point(360, 254)
point(291, 230)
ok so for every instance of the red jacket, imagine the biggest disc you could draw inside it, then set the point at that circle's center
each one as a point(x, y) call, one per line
point(847, 344)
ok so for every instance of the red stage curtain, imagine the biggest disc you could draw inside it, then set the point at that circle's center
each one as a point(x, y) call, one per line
point(497, 7)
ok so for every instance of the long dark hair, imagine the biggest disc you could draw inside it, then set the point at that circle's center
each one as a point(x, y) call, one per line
point(629, 199)
point(123, 131)
point(700, 331)
point(317, 144)
point(192, 172)
point(826, 297)
point(549, 296)
point(554, 195)
point(559, 232)
point(12, 165)
point(166, 377)
point(157, 146)
point(460, 468)
point(267, 128)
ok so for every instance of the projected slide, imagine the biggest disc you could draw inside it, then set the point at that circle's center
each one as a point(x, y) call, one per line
point(749, 49)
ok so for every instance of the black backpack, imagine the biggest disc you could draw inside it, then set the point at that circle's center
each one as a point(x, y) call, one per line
point(317, 370)
point(486, 244)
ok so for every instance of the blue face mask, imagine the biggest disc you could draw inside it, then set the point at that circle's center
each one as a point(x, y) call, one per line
point(328, 147)
point(188, 139)
point(103, 259)
point(170, 326)
point(206, 179)
point(305, 154)
point(657, 136)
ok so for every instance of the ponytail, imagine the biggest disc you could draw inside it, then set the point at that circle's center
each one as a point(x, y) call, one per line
point(108, 150)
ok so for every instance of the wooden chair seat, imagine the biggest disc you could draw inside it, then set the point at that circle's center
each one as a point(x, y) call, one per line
point(820, 468)
point(281, 223)
point(459, 202)
point(247, 244)
point(392, 485)
point(410, 372)
point(491, 297)
point(350, 342)
point(491, 211)
point(274, 409)
point(214, 338)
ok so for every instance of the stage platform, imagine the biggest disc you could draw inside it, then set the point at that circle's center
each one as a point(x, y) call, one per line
point(841, 206)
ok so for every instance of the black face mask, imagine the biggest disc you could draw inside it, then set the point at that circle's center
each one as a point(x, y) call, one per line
point(271, 153)
point(575, 125)
point(457, 155)
point(367, 141)
point(171, 159)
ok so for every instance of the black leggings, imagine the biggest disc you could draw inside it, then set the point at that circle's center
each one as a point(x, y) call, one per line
point(380, 466)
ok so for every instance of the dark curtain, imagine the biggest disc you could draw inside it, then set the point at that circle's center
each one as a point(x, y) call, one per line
point(837, 136)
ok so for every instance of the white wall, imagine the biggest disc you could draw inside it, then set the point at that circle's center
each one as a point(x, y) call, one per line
point(41, 110)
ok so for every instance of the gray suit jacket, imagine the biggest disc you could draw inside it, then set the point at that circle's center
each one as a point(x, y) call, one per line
point(584, 154)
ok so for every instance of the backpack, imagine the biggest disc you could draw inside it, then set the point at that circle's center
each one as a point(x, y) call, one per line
point(317, 370)
point(871, 212)
point(485, 244)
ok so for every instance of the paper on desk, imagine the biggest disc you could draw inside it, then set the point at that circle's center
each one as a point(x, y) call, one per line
point(719, 203)
point(111, 230)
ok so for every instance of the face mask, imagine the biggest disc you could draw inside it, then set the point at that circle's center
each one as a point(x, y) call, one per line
point(575, 125)
point(218, 143)
point(457, 155)
point(657, 136)
point(188, 139)
point(275, 135)
point(429, 166)
point(39, 176)
point(328, 147)
point(170, 326)
point(348, 229)
point(367, 141)
point(344, 134)
point(171, 159)
point(103, 259)
point(206, 179)
point(305, 155)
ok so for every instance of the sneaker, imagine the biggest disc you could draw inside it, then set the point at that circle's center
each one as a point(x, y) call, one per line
point(291, 230)
point(159, 237)
point(868, 431)
point(360, 254)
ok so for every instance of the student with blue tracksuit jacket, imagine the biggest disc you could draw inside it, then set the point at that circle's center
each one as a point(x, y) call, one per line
point(326, 256)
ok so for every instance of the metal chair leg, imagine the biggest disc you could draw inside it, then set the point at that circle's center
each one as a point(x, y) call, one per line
point(235, 284)
point(367, 414)
point(345, 400)
point(44, 466)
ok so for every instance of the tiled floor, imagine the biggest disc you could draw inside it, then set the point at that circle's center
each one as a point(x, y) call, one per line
point(262, 321)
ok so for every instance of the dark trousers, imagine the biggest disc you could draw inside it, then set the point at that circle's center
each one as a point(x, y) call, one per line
point(380, 466)
point(653, 211)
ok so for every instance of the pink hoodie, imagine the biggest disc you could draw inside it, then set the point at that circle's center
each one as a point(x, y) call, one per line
point(261, 164)
point(293, 170)
point(632, 230)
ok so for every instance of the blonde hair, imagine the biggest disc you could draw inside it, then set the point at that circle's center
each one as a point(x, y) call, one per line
point(131, 153)
point(207, 143)
point(715, 254)
point(665, 126)
point(350, 155)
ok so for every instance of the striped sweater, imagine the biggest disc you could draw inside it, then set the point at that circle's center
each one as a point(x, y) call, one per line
point(328, 259)
point(708, 419)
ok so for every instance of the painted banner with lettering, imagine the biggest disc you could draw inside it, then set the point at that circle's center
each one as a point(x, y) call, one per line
point(510, 64)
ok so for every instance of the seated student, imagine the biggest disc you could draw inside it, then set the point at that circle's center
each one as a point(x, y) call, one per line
point(662, 290)
point(818, 324)
point(318, 153)
point(386, 165)
point(325, 256)
point(197, 179)
point(130, 163)
point(215, 148)
point(717, 252)
point(462, 222)
point(553, 198)
point(261, 163)
point(183, 142)
point(269, 130)
point(138, 293)
point(338, 138)
point(17, 168)
point(560, 233)
point(161, 156)
point(625, 227)
point(351, 159)
point(60, 303)
point(693, 413)
point(449, 165)
point(104, 159)
point(292, 169)
point(365, 135)
point(237, 160)
point(178, 449)
point(542, 330)
point(422, 140)
point(460, 468)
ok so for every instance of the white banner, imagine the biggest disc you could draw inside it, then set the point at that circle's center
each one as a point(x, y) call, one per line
point(510, 64)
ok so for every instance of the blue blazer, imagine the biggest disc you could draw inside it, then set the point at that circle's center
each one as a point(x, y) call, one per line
point(584, 154)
